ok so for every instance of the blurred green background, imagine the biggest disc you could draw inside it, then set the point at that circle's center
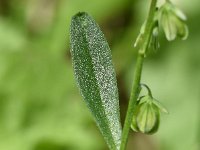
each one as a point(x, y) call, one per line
point(40, 105)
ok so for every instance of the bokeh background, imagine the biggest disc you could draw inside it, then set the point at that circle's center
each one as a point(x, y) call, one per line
point(40, 106)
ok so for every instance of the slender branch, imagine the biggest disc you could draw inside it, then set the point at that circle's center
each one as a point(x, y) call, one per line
point(137, 74)
point(133, 97)
point(148, 89)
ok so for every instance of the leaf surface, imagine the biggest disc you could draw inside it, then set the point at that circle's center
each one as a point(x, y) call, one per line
point(95, 76)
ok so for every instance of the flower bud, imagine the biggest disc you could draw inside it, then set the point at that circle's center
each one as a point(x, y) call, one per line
point(146, 118)
point(173, 20)
point(154, 42)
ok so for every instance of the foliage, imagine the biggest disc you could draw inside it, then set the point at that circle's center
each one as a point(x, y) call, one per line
point(39, 102)
point(95, 76)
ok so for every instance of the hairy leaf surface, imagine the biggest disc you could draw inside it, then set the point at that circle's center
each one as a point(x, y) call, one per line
point(95, 75)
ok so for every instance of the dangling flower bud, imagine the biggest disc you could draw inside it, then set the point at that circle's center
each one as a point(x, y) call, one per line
point(146, 118)
point(173, 20)
point(154, 42)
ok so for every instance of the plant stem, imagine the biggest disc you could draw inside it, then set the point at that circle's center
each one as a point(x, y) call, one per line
point(137, 74)
point(148, 89)
point(132, 101)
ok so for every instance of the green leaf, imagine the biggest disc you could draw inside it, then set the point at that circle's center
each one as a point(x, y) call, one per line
point(95, 75)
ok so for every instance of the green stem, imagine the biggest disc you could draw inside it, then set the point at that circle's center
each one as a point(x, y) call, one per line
point(133, 98)
point(148, 89)
point(137, 74)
